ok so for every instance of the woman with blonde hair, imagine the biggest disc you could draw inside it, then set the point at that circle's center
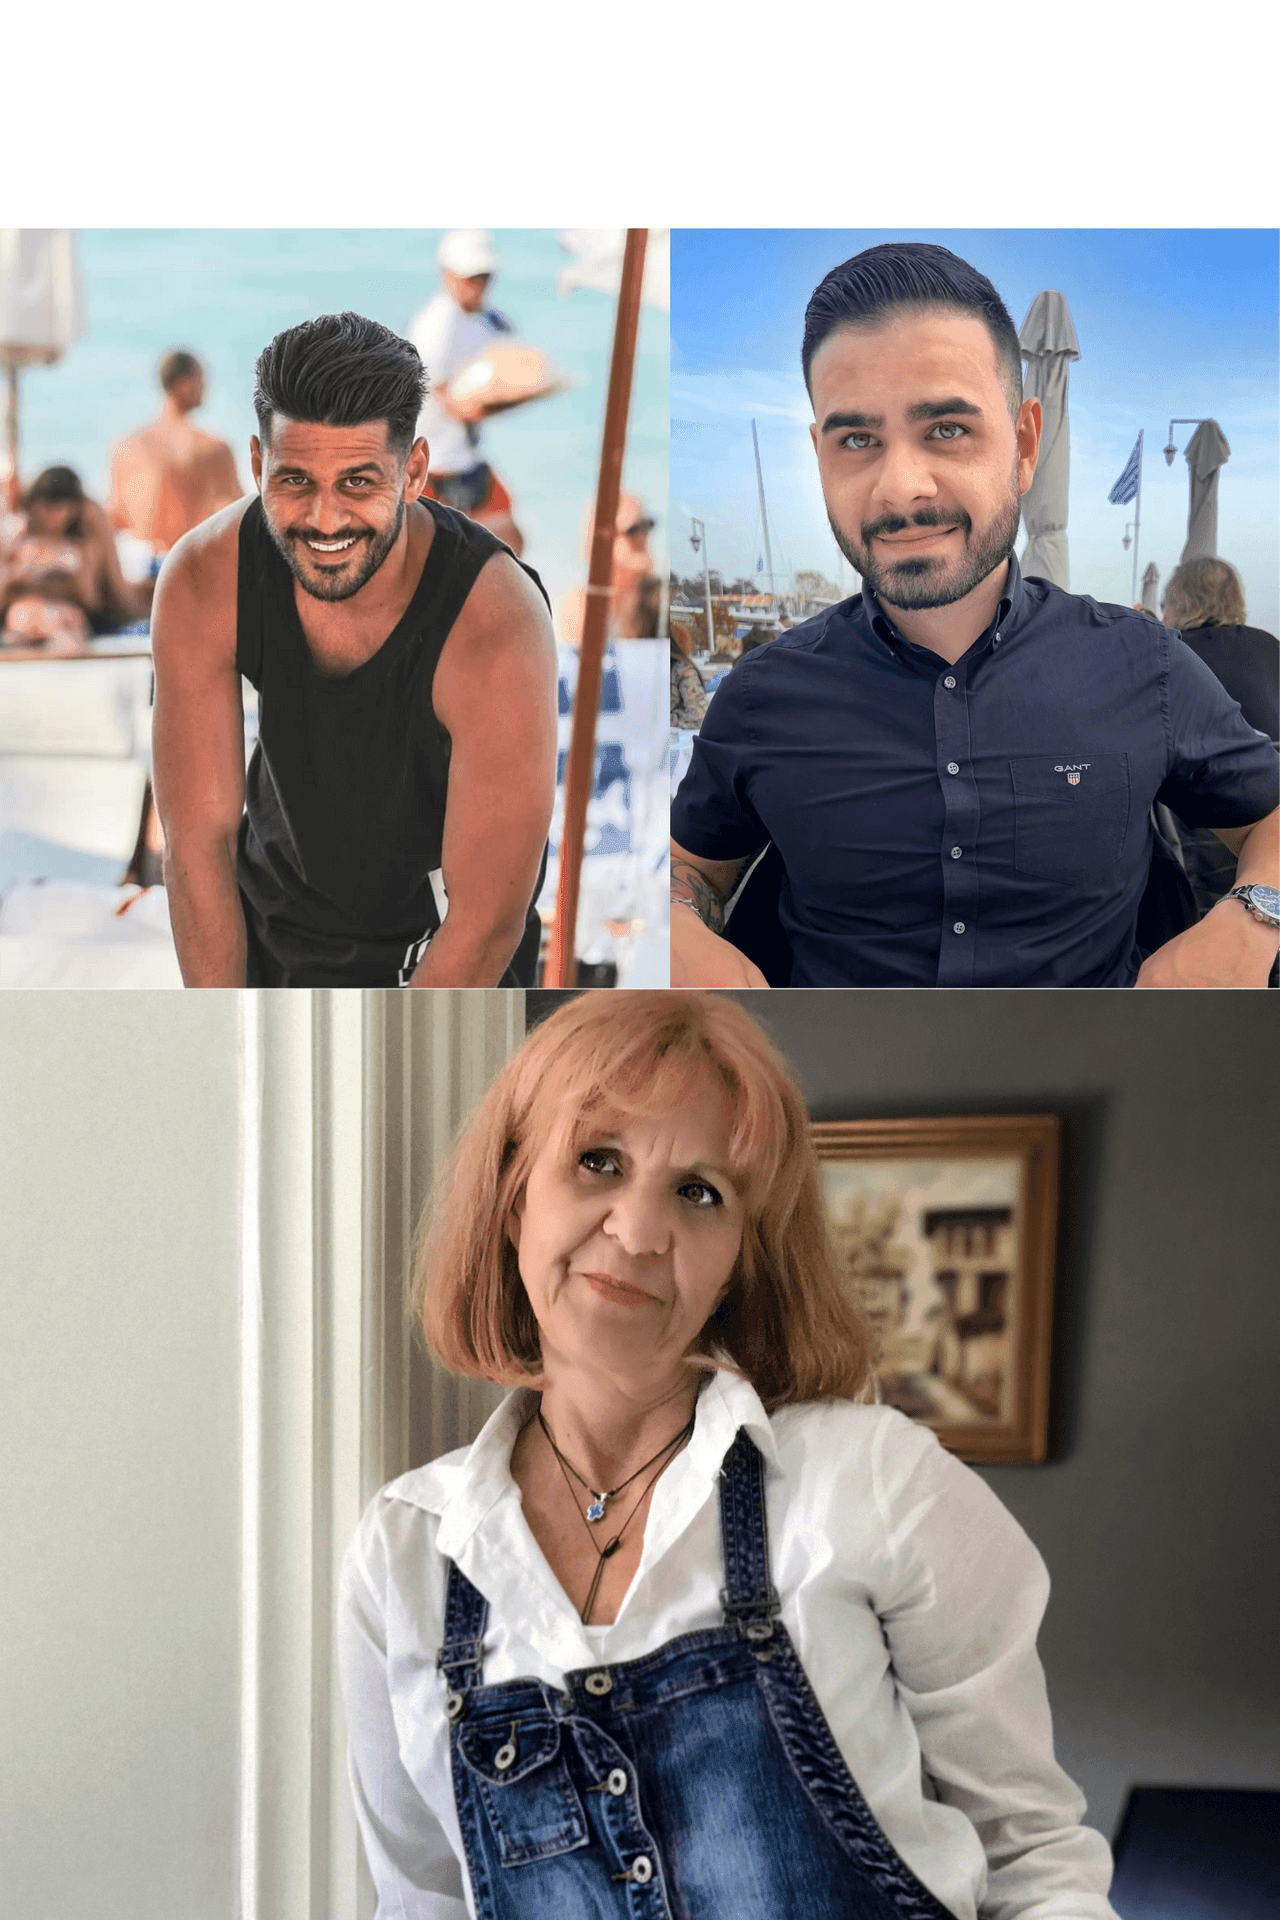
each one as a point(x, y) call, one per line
point(691, 1629)
point(1204, 601)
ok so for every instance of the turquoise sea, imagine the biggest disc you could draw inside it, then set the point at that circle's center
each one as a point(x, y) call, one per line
point(224, 294)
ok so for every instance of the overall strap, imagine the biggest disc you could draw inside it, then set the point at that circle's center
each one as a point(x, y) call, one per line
point(749, 1600)
point(461, 1658)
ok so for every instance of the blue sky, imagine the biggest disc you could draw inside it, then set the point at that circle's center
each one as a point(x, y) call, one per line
point(1170, 323)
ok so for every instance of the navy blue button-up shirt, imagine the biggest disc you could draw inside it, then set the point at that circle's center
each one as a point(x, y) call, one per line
point(985, 824)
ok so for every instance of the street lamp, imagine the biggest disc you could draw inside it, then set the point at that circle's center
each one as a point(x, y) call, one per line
point(1171, 450)
point(698, 538)
point(1131, 526)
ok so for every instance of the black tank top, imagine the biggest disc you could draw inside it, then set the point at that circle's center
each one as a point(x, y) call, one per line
point(339, 850)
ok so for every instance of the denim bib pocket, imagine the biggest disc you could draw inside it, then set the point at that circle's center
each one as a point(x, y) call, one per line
point(1071, 815)
point(532, 1804)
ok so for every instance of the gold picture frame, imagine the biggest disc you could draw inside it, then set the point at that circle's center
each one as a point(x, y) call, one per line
point(946, 1231)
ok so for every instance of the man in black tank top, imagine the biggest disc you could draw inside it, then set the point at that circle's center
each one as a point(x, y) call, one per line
point(392, 827)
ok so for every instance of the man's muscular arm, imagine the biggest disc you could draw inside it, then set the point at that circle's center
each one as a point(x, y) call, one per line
point(700, 891)
point(495, 694)
point(198, 750)
point(1228, 948)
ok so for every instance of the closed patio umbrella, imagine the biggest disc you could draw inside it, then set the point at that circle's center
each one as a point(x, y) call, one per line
point(41, 313)
point(1150, 581)
point(1207, 453)
point(1049, 345)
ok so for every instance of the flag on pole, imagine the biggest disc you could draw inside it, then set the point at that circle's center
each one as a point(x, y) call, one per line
point(1126, 487)
point(760, 564)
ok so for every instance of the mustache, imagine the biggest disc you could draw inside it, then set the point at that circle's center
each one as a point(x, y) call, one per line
point(927, 517)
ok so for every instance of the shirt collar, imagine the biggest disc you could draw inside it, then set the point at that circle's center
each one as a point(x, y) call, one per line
point(1007, 613)
point(463, 1488)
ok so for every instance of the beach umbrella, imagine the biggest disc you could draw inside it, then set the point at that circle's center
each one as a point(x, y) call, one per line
point(1207, 453)
point(1150, 581)
point(596, 261)
point(1049, 345)
point(41, 313)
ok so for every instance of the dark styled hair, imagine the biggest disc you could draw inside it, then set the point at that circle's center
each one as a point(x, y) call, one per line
point(178, 365)
point(914, 274)
point(57, 485)
point(340, 370)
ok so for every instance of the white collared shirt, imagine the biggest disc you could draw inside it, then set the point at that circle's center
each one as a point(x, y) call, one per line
point(449, 338)
point(912, 1598)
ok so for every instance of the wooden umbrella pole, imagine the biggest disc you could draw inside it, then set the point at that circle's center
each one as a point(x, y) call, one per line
point(580, 766)
point(12, 489)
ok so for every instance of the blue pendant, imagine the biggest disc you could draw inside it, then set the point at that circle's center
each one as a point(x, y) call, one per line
point(596, 1510)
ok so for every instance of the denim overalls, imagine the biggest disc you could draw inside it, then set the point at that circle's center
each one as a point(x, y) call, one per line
point(699, 1781)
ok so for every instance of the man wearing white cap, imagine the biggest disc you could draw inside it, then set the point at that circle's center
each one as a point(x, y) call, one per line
point(452, 330)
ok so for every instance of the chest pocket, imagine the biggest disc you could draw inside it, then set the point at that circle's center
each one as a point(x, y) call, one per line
point(532, 1804)
point(1071, 815)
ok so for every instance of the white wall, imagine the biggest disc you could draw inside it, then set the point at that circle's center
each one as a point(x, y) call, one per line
point(120, 1467)
point(199, 1396)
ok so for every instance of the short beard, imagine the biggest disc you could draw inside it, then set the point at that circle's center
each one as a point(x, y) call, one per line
point(913, 584)
point(377, 548)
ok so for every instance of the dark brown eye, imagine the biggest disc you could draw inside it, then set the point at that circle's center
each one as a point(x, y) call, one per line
point(599, 1160)
point(701, 1194)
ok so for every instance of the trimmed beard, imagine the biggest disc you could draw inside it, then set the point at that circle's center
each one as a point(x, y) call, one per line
point(378, 547)
point(913, 584)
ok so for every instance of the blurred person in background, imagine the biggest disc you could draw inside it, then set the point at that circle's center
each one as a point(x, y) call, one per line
point(451, 331)
point(688, 691)
point(60, 577)
point(171, 475)
point(1204, 602)
point(635, 597)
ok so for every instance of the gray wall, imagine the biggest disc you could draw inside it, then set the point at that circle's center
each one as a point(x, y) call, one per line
point(1157, 1516)
point(120, 1468)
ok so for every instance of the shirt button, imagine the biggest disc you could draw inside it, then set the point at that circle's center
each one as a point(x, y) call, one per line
point(953, 766)
point(641, 1870)
point(617, 1781)
point(598, 1683)
point(997, 640)
point(955, 853)
point(958, 927)
point(950, 680)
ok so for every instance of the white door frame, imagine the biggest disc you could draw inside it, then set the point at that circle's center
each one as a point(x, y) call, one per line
point(349, 1101)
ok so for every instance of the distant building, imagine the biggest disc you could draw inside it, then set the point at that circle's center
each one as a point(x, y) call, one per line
point(974, 1252)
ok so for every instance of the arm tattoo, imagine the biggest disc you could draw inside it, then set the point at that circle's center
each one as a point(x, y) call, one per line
point(690, 887)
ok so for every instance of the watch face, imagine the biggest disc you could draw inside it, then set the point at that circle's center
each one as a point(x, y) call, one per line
point(1265, 900)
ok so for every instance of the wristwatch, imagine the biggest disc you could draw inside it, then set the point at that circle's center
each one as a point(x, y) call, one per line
point(1262, 902)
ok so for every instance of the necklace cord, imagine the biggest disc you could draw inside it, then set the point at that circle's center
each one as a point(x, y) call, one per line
point(609, 1493)
point(611, 1546)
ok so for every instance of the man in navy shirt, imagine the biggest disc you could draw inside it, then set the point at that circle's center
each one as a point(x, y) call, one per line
point(957, 768)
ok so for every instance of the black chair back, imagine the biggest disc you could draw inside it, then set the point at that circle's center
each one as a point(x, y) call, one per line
point(1198, 1853)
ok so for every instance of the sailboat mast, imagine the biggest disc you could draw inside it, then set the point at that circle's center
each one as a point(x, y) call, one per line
point(764, 517)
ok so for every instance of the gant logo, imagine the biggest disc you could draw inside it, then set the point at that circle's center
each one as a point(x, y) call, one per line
point(1074, 771)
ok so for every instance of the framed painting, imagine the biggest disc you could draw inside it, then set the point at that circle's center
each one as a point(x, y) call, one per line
point(945, 1232)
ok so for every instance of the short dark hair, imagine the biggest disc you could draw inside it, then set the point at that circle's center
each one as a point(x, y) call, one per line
point(178, 365)
point(910, 273)
point(340, 370)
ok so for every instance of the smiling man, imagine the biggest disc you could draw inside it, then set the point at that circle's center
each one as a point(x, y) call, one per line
point(392, 826)
point(957, 768)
